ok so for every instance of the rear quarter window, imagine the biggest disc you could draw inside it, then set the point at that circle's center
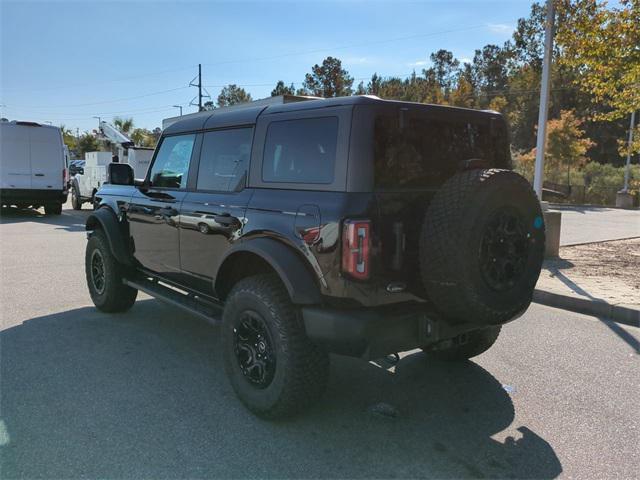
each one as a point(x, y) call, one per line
point(301, 151)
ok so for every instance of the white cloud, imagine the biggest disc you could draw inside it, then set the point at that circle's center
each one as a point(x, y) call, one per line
point(500, 28)
point(358, 60)
point(418, 63)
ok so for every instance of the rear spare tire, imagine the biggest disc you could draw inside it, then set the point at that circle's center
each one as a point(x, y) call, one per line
point(482, 246)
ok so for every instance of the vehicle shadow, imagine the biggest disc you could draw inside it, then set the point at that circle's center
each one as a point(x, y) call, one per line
point(70, 220)
point(580, 208)
point(144, 394)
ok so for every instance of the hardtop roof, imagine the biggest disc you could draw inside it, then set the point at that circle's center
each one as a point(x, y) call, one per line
point(248, 115)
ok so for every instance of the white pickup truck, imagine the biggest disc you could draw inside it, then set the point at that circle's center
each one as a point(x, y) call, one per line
point(85, 185)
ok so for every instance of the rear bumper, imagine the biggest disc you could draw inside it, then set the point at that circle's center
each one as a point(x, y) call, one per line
point(374, 332)
point(31, 196)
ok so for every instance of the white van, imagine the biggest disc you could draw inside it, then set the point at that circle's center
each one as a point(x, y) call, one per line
point(33, 166)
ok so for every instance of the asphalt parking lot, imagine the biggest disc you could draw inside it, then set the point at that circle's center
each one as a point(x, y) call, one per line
point(143, 394)
point(585, 224)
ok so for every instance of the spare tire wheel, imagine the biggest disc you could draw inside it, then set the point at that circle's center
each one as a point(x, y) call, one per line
point(482, 246)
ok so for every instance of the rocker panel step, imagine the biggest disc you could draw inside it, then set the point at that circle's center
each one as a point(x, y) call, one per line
point(207, 310)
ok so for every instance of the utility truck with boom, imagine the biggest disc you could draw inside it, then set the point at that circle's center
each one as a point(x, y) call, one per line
point(85, 185)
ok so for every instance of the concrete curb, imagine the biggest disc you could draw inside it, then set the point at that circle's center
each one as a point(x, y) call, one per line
point(598, 308)
point(600, 241)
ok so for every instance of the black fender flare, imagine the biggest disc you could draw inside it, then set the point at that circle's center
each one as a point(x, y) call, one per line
point(296, 277)
point(105, 219)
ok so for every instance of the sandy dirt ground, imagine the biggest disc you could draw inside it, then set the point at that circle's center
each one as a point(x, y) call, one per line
point(608, 271)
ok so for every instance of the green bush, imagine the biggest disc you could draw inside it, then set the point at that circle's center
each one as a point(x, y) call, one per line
point(595, 183)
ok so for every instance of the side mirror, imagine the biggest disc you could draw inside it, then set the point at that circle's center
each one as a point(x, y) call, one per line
point(120, 174)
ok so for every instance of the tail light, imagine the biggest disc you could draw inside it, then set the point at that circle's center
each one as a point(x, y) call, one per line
point(356, 248)
point(65, 178)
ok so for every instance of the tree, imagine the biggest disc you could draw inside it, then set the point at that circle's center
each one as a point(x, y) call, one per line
point(623, 144)
point(602, 43)
point(528, 38)
point(566, 146)
point(125, 125)
point(373, 87)
point(282, 89)
point(87, 143)
point(499, 104)
point(69, 139)
point(462, 96)
point(328, 79)
point(445, 69)
point(208, 105)
point(233, 95)
point(143, 137)
point(490, 69)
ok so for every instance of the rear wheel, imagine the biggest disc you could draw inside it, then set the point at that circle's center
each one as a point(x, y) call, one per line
point(482, 246)
point(273, 367)
point(105, 276)
point(53, 208)
point(75, 198)
point(464, 346)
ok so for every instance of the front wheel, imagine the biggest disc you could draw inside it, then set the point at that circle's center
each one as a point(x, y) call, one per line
point(464, 346)
point(273, 367)
point(53, 209)
point(75, 199)
point(105, 277)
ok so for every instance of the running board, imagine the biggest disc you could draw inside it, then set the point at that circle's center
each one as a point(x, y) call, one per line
point(190, 302)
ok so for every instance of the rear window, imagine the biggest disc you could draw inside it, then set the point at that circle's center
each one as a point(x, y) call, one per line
point(301, 151)
point(424, 151)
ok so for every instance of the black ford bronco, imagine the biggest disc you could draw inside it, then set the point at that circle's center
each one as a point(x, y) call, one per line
point(354, 226)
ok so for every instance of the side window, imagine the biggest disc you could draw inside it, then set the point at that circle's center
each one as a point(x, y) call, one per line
point(171, 166)
point(224, 159)
point(300, 151)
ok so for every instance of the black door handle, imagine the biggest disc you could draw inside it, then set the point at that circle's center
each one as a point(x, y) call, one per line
point(170, 211)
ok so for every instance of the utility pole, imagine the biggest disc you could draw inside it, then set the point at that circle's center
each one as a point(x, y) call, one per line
point(544, 101)
point(632, 124)
point(200, 89)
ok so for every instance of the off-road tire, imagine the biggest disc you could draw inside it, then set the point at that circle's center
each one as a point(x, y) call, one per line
point(75, 199)
point(115, 296)
point(453, 268)
point(478, 341)
point(53, 209)
point(301, 368)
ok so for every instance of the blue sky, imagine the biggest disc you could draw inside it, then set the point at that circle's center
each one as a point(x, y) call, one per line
point(65, 62)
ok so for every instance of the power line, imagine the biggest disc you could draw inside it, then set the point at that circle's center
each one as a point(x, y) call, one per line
point(102, 82)
point(272, 57)
point(105, 101)
point(362, 44)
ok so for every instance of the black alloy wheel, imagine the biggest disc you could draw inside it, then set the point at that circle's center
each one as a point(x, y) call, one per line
point(97, 271)
point(254, 349)
point(503, 249)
